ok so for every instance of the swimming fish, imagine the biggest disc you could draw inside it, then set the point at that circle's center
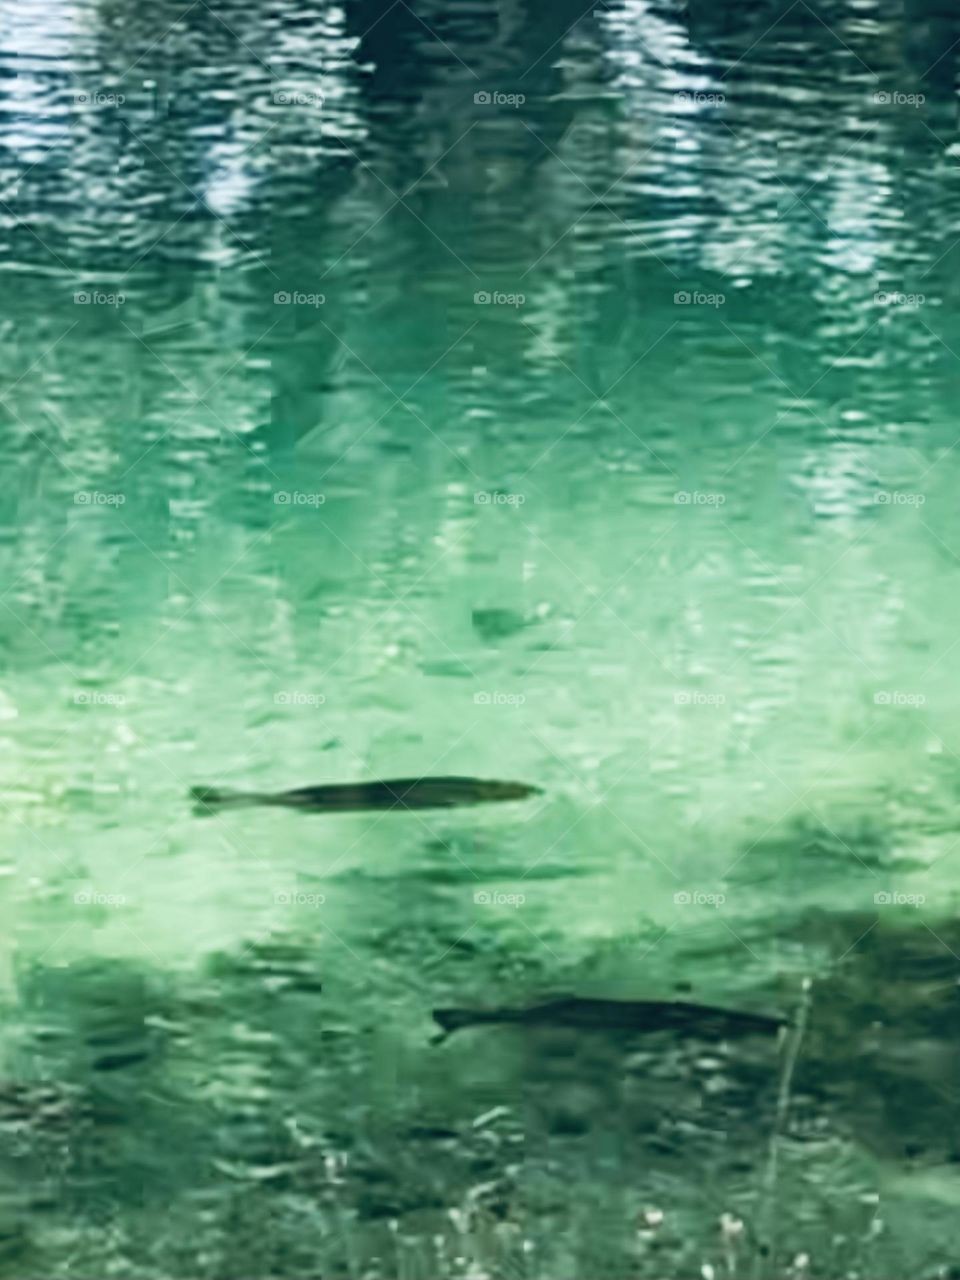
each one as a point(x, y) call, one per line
point(347, 797)
point(631, 1015)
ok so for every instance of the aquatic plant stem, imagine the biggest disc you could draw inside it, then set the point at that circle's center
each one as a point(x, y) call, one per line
point(794, 1039)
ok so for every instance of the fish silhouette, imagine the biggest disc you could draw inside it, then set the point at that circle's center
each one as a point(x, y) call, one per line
point(351, 797)
point(630, 1015)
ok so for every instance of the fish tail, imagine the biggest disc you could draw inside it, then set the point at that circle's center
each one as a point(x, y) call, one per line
point(209, 798)
point(450, 1020)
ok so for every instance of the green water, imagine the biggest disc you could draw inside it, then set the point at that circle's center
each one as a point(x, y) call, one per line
point(600, 434)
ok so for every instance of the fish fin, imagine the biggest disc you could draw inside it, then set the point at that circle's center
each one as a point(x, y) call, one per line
point(451, 1020)
point(209, 799)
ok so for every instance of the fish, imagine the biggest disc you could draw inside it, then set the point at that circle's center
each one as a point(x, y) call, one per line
point(113, 1061)
point(492, 625)
point(352, 797)
point(629, 1015)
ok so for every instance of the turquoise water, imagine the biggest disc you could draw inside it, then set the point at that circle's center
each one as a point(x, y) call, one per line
point(514, 391)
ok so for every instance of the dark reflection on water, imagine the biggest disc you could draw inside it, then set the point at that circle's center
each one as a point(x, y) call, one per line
point(508, 390)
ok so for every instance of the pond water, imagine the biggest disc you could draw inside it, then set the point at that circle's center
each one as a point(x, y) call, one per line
point(557, 395)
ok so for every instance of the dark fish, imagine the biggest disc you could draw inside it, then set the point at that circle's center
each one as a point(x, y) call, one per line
point(497, 624)
point(431, 1133)
point(346, 797)
point(631, 1015)
point(114, 1061)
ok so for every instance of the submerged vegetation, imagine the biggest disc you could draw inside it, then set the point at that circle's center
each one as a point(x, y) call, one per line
point(201, 1101)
